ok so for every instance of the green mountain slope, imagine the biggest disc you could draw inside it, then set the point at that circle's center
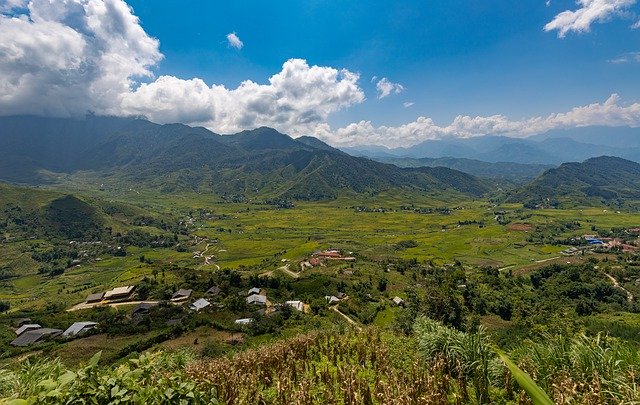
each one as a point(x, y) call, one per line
point(178, 157)
point(602, 177)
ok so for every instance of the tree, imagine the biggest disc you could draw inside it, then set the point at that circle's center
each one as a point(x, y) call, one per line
point(5, 306)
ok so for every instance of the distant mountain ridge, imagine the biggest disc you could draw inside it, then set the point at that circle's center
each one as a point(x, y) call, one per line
point(178, 157)
point(514, 172)
point(552, 148)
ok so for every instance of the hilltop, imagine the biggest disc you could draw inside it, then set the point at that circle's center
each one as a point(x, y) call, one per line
point(603, 177)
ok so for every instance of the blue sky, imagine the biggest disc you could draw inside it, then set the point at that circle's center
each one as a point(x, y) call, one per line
point(453, 57)
point(391, 73)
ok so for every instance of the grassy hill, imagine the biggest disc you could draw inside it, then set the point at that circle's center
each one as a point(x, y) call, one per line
point(604, 178)
point(260, 162)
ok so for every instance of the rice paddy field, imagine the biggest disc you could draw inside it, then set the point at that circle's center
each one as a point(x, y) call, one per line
point(239, 235)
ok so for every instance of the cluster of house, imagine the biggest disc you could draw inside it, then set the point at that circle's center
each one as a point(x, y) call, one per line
point(180, 296)
point(28, 333)
point(318, 258)
point(594, 241)
point(257, 297)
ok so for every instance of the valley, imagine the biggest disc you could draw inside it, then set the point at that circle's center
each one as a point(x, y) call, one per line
point(216, 259)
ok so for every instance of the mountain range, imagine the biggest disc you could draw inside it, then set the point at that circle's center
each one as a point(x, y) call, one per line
point(172, 157)
point(551, 148)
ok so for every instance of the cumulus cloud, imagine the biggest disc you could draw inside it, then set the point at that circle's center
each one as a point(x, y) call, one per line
point(608, 113)
point(589, 12)
point(386, 87)
point(234, 41)
point(71, 56)
point(295, 100)
point(64, 58)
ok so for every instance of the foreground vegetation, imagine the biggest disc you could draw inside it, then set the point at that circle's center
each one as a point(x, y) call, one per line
point(433, 365)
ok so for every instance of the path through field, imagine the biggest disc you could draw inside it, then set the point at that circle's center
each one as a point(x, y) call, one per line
point(617, 285)
point(349, 320)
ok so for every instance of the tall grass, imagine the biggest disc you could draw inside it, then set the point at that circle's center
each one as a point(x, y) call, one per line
point(583, 369)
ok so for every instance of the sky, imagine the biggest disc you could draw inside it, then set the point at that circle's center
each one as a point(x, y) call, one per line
point(390, 73)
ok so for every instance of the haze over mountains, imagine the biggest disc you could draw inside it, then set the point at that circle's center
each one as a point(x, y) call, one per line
point(551, 148)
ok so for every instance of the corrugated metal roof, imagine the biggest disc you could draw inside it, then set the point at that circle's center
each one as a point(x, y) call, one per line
point(181, 293)
point(78, 327)
point(33, 336)
point(199, 304)
point(29, 326)
point(257, 299)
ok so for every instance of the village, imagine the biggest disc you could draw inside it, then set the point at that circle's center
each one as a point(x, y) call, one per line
point(126, 298)
point(628, 242)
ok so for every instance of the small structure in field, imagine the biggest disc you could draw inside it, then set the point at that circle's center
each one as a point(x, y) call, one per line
point(215, 290)
point(257, 299)
point(27, 327)
point(254, 290)
point(181, 295)
point(94, 298)
point(199, 304)
point(244, 321)
point(332, 299)
point(398, 301)
point(298, 305)
point(79, 328)
point(143, 308)
point(120, 293)
point(34, 336)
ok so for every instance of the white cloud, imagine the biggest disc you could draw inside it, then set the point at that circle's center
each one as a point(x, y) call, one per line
point(386, 87)
point(627, 57)
point(408, 104)
point(295, 100)
point(636, 25)
point(67, 57)
point(234, 41)
point(609, 113)
point(589, 12)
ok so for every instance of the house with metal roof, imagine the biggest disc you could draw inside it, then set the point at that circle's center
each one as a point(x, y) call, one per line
point(254, 290)
point(257, 299)
point(299, 305)
point(332, 299)
point(78, 328)
point(215, 290)
point(120, 293)
point(35, 336)
point(27, 327)
point(181, 294)
point(244, 321)
point(398, 301)
point(199, 304)
point(93, 298)
point(143, 308)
